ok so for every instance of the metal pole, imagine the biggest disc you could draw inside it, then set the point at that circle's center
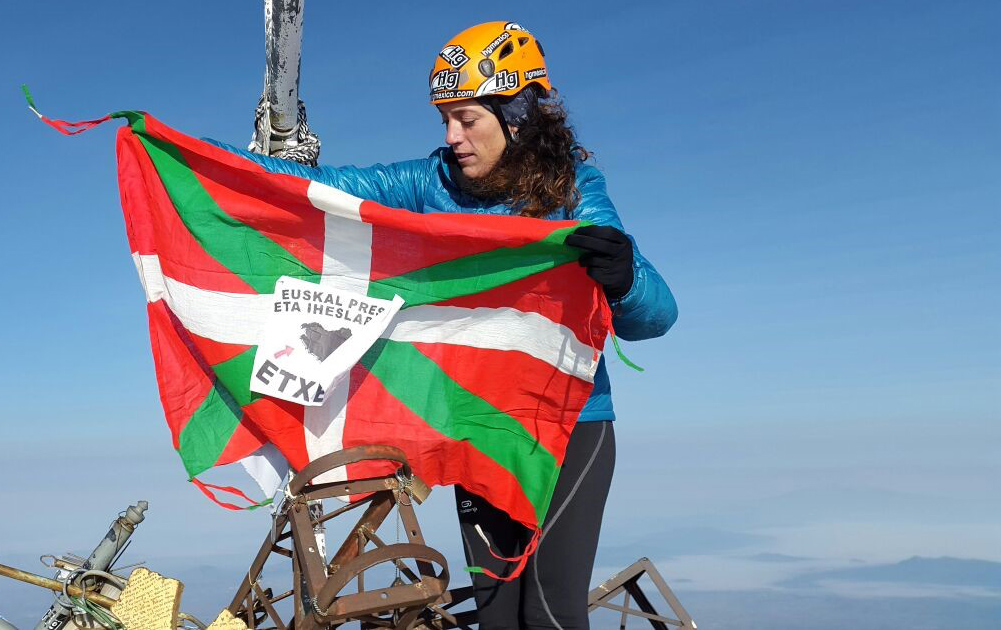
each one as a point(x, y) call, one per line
point(280, 127)
point(55, 585)
point(100, 559)
point(283, 50)
point(105, 552)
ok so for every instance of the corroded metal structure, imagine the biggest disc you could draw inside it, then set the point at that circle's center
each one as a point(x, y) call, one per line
point(319, 589)
point(627, 584)
point(328, 594)
point(324, 594)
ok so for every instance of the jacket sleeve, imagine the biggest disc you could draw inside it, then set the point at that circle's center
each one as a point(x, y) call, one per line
point(397, 185)
point(648, 310)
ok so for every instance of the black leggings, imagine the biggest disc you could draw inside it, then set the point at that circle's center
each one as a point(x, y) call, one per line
point(552, 591)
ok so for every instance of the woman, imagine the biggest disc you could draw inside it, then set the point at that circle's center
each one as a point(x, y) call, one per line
point(510, 151)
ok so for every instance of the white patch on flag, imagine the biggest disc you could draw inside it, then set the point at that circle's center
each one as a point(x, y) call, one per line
point(347, 263)
point(150, 275)
point(217, 315)
point(334, 201)
point(268, 467)
point(239, 318)
point(497, 329)
point(347, 240)
point(325, 428)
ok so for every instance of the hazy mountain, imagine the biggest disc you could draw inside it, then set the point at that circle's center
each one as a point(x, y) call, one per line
point(674, 542)
point(916, 570)
point(778, 610)
point(838, 503)
point(777, 558)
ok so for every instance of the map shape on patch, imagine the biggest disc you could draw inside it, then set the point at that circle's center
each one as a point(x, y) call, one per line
point(321, 342)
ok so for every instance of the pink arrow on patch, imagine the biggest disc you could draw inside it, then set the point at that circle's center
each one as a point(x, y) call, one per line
point(284, 353)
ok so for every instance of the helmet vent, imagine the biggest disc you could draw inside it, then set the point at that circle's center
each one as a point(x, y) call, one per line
point(486, 68)
point(505, 50)
point(541, 51)
point(522, 41)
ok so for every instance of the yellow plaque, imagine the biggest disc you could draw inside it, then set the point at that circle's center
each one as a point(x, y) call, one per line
point(226, 621)
point(149, 601)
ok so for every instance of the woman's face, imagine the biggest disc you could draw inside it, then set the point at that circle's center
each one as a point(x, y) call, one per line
point(474, 134)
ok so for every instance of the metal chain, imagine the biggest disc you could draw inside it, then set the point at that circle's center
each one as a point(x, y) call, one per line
point(399, 522)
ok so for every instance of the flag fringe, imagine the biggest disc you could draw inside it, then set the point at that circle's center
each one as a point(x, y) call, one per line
point(521, 560)
point(65, 127)
point(622, 355)
point(205, 487)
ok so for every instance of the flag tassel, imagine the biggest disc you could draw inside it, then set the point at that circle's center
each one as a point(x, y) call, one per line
point(520, 560)
point(600, 301)
point(622, 355)
point(65, 127)
point(208, 487)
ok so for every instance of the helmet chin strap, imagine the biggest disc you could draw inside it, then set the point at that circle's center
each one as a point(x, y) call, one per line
point(493, 104)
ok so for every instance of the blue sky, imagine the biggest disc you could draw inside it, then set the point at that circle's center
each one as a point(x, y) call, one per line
point(818, 182)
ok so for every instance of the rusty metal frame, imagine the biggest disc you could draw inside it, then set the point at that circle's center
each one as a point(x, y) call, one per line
point(320, 590)
point(442, 616)
point(324, 594)
point(91, 593)
point(626, 583)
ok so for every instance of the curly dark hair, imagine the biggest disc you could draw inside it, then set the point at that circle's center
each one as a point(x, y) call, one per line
point(536, 174)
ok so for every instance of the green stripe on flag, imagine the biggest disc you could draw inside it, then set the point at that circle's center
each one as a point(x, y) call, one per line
point(423, 387)
point(245, 251)
point(477, 272)
point(208, 431)
point(234, 374)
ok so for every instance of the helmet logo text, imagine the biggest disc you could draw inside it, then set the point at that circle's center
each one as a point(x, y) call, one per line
point(439, 96)
point(444, 80)
point(492, 46)
point(502, 81)
point(455, 55)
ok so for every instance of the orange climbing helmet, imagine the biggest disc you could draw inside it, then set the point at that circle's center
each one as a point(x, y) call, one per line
point(489, 59)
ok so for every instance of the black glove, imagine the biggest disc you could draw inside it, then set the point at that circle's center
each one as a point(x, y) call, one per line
point(608, 257)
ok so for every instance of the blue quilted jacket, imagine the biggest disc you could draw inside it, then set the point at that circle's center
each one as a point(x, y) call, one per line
point(648, 310)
